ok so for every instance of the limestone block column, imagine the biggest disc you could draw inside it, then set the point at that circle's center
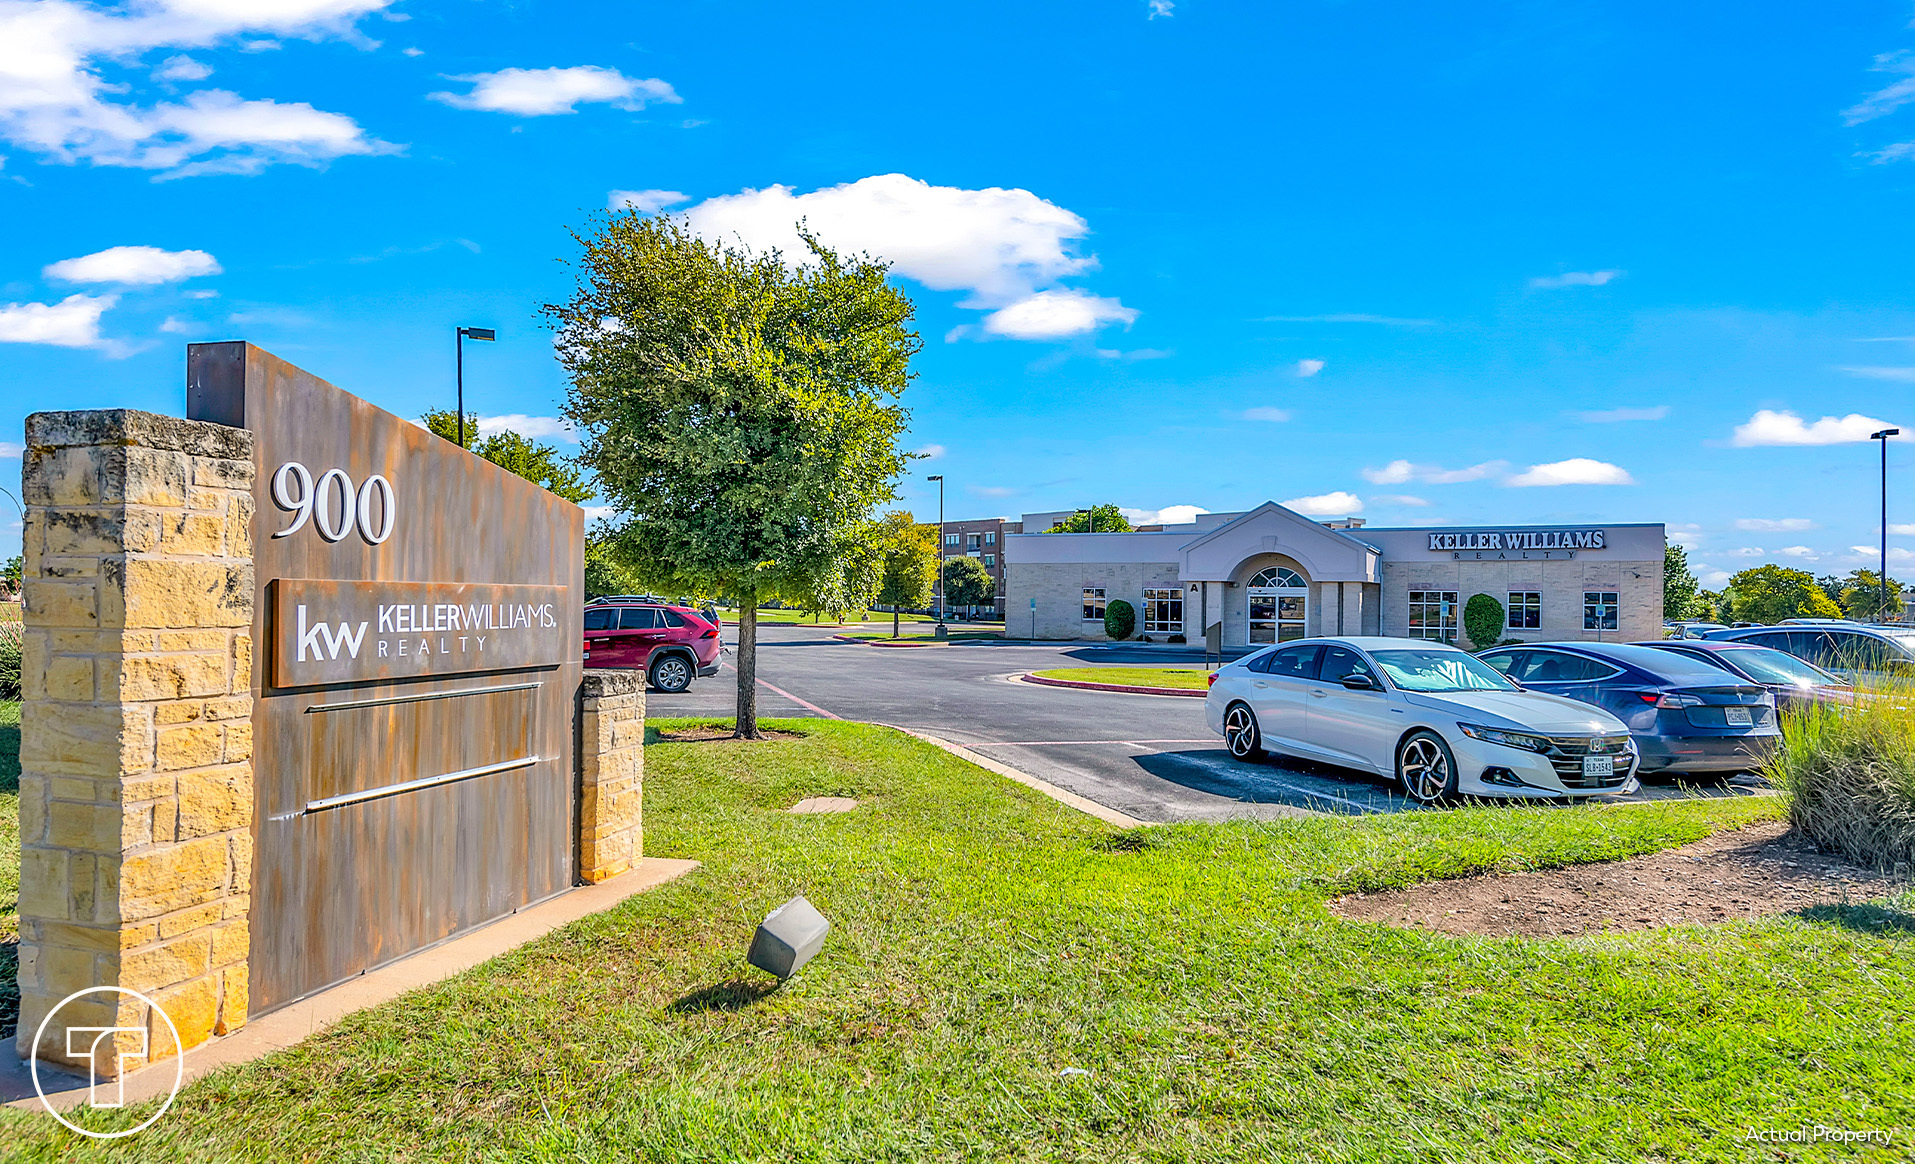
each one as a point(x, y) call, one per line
point(136, 784)
point(611, 759)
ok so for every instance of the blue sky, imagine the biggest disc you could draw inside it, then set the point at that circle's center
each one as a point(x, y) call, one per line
point(1503, 263)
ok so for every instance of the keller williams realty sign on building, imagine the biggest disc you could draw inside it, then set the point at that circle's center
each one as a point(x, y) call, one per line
point(418, 615)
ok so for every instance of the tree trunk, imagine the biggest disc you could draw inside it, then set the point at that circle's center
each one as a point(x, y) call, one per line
point(747, 728)
point(894, 620)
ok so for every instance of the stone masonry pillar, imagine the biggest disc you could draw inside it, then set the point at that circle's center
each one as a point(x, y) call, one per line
point(136, 785)
point(611, 760)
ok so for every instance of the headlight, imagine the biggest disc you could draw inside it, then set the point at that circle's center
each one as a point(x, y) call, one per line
point(1491, 735)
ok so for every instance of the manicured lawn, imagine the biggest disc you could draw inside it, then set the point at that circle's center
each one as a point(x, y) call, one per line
point(987, 940)
point(1187, 678)
point(9, 867)
point(953, 635)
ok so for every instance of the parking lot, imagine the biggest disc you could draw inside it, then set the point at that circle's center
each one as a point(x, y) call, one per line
point(1150, 756)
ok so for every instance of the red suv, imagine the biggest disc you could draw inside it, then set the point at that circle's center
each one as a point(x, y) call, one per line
point(670, 643)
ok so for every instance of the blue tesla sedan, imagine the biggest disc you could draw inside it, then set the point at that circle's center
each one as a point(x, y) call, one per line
point(1685, 715)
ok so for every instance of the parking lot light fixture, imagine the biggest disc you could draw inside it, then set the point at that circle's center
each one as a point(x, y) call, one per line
point(467, 333)
point(1881, 612)
point(939, 478)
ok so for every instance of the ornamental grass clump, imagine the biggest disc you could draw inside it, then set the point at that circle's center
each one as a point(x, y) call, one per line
point(1848, 774)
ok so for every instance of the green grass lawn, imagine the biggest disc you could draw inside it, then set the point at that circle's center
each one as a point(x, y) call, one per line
point(987, 940)
point(953, 635)
point(1185, 678)
point(9, 867)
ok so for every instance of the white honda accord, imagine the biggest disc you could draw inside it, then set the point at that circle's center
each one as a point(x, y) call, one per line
point(1440, 721)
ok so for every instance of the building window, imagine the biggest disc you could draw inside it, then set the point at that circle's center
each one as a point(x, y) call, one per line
point(1279, 577)
point(990, 561)
point(1164, 610)
point(970, 539)
point(1525, 609)
point(990, 538)
point(953, 539)
point(1433, 615)
point(1599, 610)
point(1093, 604)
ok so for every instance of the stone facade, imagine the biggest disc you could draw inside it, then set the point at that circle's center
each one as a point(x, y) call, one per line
point(136, 785)
point(611, 758)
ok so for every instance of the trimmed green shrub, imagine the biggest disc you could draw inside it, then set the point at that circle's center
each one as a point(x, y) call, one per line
point(10, 640)
point(1849, 774)
point(1120, 618)
point(1483, 620)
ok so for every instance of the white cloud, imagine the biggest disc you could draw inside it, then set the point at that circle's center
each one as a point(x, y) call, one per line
point(1398, 500)
point(1902, 375)
point(643, 201)
point(10, 451)
point(55, 102)
point(1873, 554)
point(931, 452)
point(1617, 415)
point(992, 490)
point(1399, 472)
point(182, 68)
point(529, 427)
point(1574, 471)
point(542, 92)
point(1265, 412)
point(1901, 529)
point(1769, 427)
point(133, 265)
point(1713, 579)
point(1574, 279)
point(1889, 99)
point(413, 52)
point(1325, 504)
point(1771, 524)
point(73, 322)
point(201, 294)
point(1803, 552)
point(1309, 367)
point(1168, 515)
point(1056, 314)
point(598, 512)
point(1006, 249)
point(1161, 8)
point(1686, 536)
point(175, 326)
point(1747, 552)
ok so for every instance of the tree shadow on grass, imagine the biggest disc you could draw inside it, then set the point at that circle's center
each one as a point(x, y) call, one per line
point(735, 995)
point(1875, 920)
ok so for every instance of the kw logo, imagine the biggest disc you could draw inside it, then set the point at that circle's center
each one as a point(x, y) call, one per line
point(346, 636)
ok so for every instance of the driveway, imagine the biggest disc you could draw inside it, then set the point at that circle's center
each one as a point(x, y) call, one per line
point(1146, 755)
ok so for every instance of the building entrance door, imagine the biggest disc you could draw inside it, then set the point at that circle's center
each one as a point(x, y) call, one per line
point(1277, 601)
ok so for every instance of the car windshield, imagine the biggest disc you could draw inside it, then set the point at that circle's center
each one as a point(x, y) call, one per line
point(1768, 665)
point(1436, 671)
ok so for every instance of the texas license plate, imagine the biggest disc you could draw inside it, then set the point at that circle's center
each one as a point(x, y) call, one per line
point(1599, 765)
point(1740, 717)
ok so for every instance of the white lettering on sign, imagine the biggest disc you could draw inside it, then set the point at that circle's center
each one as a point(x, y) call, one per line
point(295, 492)
point(345, 635)
point(1529, 539)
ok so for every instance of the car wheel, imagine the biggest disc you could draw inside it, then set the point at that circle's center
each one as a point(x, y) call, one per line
point(1426, 768)
point(671, 674)
point(1240, 733)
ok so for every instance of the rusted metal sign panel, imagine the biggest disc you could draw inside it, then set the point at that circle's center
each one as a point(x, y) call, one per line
point(327, 631)
point(401, 798)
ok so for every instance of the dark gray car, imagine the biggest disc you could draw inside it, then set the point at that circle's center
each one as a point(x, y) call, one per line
point(1684, 715)
point(1855, 651)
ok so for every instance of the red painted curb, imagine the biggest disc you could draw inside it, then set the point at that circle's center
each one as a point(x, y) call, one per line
point(1029, 678)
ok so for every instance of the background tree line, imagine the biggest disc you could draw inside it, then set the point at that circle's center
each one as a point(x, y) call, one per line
point(1768, 594)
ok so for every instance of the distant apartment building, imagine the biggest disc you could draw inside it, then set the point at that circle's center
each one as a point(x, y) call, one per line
point(982, 539)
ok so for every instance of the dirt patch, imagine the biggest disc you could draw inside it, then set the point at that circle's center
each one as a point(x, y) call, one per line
point(699, 735)
point(1750, 872)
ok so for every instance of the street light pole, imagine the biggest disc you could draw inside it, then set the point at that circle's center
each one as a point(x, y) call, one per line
point(1881, 612)
point(939, 478)
point(467, 333)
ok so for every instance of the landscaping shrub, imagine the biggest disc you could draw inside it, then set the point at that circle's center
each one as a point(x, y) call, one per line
point(1120, 618)
point(1483, 620)
point(10, 639)
point(1849, 775)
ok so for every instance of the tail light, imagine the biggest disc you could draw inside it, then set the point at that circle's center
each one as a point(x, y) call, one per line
point(1673, 700)
point(710, 634)
point(1210, 680)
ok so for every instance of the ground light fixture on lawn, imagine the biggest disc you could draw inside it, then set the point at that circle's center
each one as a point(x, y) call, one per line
point(466, 333)
point(941, 632)
point(1881, 612)
point(790, 936)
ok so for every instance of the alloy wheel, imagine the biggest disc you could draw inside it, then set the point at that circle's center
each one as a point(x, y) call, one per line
point(672, 675)
point(1240, 732)
point(1425, 769)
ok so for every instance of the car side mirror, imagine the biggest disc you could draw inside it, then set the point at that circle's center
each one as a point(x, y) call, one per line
point(1359, 683)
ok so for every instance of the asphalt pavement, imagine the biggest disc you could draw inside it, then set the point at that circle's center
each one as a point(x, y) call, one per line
point(1150, 756)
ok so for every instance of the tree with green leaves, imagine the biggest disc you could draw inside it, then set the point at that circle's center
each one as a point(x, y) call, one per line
point(1860, 595)
point(1484, 620)
point(968, 583)
point(605, 574)
point(542, 465)
point(739, 409)
point(10, 573)
point(1769, 594)
point(910, 563)
point(1679, 585)
point(1096, 519)
point(849, 578)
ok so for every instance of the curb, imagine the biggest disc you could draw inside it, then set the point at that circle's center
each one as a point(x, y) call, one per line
point(1183, 691)
point(1122, 820)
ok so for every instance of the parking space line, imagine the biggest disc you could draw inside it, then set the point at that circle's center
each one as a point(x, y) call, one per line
point(1074, 743)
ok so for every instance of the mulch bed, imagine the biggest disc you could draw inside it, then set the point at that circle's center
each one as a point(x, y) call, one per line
point(1751, 872)
point(699, 735)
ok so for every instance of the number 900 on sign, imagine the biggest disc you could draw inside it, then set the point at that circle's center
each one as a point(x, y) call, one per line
point(333, 505)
